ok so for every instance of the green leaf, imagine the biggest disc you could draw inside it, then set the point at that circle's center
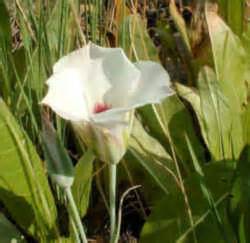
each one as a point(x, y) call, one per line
point(240, 199)
point(150, 154)
point(169, 221)
point(177, 119)
point(23, 181)
point(220, 126)
point(8, 232)
point(215, 112)
point(137, 41)
point(230, 60)
point(59, 164)
point(233, 12)
point(5, 31)
point(5, 51)
point(180, 24)
point(82, 183)
point(246, 124)
point(206, 192)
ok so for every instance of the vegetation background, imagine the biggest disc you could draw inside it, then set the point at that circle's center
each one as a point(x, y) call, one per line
point(190, 154)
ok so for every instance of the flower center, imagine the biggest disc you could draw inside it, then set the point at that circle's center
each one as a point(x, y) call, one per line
point(101, 107)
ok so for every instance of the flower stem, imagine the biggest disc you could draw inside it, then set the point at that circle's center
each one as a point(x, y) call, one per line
point(76, 215)
point(112, 200)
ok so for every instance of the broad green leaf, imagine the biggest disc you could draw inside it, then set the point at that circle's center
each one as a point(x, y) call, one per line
point(150, 154)
point(229, 60)
point(8, 232)
point(233, 11)
point(82, 183)
point(177, 119)
point(235, 15)
point(24, 188)
point(206, 192)
point(144, 143)
point(220, 126)
point(240, 199)
point(215, 114)
point(169, 221)
point(192, 96)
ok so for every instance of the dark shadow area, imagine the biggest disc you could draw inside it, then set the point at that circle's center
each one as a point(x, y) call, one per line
point(18, 211)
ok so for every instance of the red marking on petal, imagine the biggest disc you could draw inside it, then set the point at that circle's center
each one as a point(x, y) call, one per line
point(101, 107)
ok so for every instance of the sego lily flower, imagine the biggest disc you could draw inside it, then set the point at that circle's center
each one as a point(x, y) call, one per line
point(97, 90)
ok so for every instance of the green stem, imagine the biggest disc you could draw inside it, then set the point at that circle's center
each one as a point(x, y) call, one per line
point(75, 231)
point(112, 200)
point(76, 215)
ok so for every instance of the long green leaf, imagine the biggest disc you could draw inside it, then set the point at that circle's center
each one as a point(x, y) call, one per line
point(233, 12)
point(168, 221)
point(82, 183)
point(149, 153)
point(136, 40)
point(8, 232)
point(240, 200)
point(176, 118)
point(205, 191)
point(220, 125)
point(229, 59)
point(24, 188)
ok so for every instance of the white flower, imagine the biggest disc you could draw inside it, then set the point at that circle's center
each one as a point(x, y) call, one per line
point(97, 89)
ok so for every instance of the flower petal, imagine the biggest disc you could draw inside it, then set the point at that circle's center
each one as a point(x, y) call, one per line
point(77, 59)
point(65, 95)
point(122, 75)
point(154, 84)
point(110, 117)
point(107, 74)
point(89, 68)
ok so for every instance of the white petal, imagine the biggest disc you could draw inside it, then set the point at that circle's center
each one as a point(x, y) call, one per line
point(95, 83)
point(122, 75)
point(108, 75)
point(154, 84)
point(77, 59)
point(111, 117)
point(95, 75)
point(65, 95)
